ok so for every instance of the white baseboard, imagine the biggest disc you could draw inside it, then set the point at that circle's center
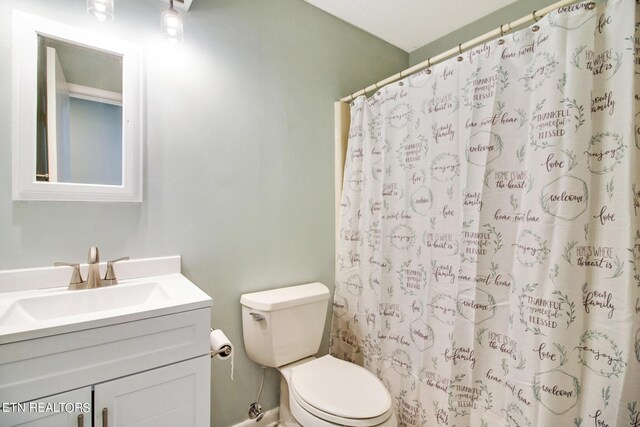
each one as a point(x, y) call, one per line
point(270, 419)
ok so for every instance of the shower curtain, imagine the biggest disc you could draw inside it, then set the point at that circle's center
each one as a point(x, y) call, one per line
point(488, 263)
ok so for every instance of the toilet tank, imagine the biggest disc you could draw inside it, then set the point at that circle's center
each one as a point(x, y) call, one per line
point(283, 325)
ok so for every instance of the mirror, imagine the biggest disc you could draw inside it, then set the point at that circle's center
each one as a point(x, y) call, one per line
point(76, 114)
point(79, 116)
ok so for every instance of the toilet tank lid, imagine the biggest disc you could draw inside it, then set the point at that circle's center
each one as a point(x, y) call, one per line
point(278, 299)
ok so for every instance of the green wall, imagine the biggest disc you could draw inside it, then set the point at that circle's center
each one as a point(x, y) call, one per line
point(238, 156)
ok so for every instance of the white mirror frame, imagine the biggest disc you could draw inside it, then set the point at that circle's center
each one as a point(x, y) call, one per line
point(26, 29)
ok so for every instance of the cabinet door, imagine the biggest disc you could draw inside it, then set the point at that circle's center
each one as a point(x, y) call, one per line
point(174, 395)
point(70, 409)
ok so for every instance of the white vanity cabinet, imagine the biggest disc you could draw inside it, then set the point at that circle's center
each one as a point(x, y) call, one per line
point(174, 395)
point(28, 416)
point(149, 372)
point(130, 367)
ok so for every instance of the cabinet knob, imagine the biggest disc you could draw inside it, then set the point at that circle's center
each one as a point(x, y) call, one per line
point(105, 417)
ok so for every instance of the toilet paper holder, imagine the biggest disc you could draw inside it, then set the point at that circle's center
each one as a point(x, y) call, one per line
point(219, 344)
point(224, 351)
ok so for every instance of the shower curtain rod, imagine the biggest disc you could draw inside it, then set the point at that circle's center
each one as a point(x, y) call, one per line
point(536, 15)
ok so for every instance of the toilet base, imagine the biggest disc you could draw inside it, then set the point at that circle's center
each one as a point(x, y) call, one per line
point(286, 417)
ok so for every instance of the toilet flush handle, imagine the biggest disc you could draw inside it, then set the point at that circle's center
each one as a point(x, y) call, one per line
point(257, 317)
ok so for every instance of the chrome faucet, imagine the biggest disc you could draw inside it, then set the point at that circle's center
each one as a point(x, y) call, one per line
point(93, 278)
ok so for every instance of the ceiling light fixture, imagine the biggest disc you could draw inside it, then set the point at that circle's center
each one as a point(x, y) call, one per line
point(172, 25)
point(101, 9)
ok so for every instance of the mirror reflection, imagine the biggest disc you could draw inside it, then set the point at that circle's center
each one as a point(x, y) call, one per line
point(79, 114)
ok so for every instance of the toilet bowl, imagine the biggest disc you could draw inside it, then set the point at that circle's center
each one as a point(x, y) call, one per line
point(282, 328)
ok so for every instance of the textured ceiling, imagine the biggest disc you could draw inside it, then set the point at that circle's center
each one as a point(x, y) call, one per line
point(410, 24)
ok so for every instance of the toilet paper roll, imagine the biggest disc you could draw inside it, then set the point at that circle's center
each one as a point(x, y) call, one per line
point(221, 346)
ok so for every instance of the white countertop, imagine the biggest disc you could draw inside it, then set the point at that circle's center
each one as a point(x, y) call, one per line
point(32, 306)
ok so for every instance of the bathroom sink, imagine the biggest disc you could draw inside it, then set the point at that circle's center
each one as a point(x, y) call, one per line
point(65, 303)
point(42, 312)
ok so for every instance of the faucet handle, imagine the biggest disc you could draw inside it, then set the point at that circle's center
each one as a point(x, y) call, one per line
point(76, 277)
point(110, 275)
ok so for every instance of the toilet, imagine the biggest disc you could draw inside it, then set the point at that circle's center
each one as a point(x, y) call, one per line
point(282, 328)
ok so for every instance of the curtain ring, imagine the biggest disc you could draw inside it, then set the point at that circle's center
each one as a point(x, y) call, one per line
point(500, 40)
point(428, 65)
point(460, 58)
point(535, 17)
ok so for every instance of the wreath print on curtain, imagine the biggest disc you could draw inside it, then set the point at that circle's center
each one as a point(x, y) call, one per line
point(488, 265)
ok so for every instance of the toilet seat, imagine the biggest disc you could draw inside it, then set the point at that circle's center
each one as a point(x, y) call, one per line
point(340, 392)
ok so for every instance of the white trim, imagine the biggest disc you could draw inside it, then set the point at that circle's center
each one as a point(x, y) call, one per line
point(55, 76)
point(270, 419)
point(342, 119)
point(25, 44)
point(94, 94)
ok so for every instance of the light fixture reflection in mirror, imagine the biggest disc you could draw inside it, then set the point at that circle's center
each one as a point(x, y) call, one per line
point(101, 9)
point(172, 29)
point(79, 114)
